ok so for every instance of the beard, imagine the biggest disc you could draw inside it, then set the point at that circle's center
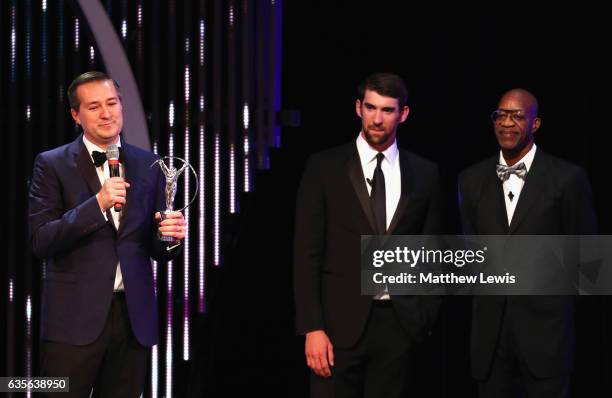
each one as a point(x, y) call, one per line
point(376, 139)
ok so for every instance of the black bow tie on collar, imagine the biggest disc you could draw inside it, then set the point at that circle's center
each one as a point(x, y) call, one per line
point(100, 157)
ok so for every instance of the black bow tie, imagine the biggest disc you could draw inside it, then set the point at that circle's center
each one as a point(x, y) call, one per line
point(100, 157)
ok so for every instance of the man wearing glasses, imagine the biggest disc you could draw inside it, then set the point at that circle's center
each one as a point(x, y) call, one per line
point(523, 344)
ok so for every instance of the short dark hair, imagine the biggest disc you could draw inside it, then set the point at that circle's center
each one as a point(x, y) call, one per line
point(385, 84)
point(87, 77)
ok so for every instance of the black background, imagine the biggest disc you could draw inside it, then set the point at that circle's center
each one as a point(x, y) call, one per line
point(457, 62)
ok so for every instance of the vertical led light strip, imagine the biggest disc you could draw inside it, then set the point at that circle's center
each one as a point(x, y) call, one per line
point(139, 15)
point(28, 44)
point(187, 197)
point(171, 73)
point(246, 74)
point(9, 317)
point(217, 201)
point(201, 213)
point(76, 55)
point(139, 72)
point(60, 29)
point(171, 133)
point(169, 300)
point(169, 333)
point(28, 363)
point(76, 34)
point(154, 263)
point(231, 124)
point(231, 15)
point(28, 144)
point(246, 147)
point(232, 176)
point(218, 91)
point(43, 47)
point(10, 314)
point(13, 43)
point(154, 371)
point(202, 171)
point(92, 55)
point(43, 141)
point(124, 22)
point(59, 41)
point(154, 349)
point(11, 291)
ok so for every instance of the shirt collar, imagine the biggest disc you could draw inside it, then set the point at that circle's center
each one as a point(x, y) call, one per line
point(368, 154)
point(527, 159)
point(93, 147)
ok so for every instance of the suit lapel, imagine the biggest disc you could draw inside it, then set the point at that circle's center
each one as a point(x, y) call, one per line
point(86, 166)
point(126, 162)
point(88, 171)
point(492, 205)
point(407, 178)
point(355, 173)
point(529, 194)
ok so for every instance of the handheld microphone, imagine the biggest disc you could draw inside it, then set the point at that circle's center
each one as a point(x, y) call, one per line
point(112, 156)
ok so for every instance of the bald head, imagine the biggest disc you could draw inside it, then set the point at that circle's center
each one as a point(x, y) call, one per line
point(527, 101)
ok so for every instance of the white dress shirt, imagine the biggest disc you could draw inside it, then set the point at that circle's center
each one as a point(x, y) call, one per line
point(514, 183)
point(393, 181)
point(103, 175)
point(391, 170)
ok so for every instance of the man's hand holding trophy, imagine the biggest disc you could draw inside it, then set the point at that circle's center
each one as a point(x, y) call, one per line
point(172, 225)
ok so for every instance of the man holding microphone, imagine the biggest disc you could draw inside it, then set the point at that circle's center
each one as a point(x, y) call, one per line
point(97, 232)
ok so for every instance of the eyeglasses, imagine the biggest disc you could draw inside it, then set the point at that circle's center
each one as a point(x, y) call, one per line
point(500, 115)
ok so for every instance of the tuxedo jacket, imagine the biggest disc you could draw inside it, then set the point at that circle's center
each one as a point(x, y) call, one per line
point(333, 211)
point(82, 248)
point(555, 200)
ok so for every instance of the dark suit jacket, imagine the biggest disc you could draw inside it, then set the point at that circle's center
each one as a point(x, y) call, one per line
point(555, 200)
point(82, 249)
point(333, 211)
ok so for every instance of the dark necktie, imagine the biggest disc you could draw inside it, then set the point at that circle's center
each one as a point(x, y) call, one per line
point(378, 197)
point(503, 172)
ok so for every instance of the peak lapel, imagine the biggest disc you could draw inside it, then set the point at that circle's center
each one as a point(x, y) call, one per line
point(86, 166)
point(492, 205)
point(407, 178)
point(357, 178)
point(126, 163)
point(534, 179)
point(89, 173)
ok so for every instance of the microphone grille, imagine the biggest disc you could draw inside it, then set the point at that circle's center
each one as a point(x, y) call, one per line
point(112, 152)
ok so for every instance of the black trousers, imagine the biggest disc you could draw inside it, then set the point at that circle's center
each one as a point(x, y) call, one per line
point(114, 365)
point(510, 376)
point(379, 365)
